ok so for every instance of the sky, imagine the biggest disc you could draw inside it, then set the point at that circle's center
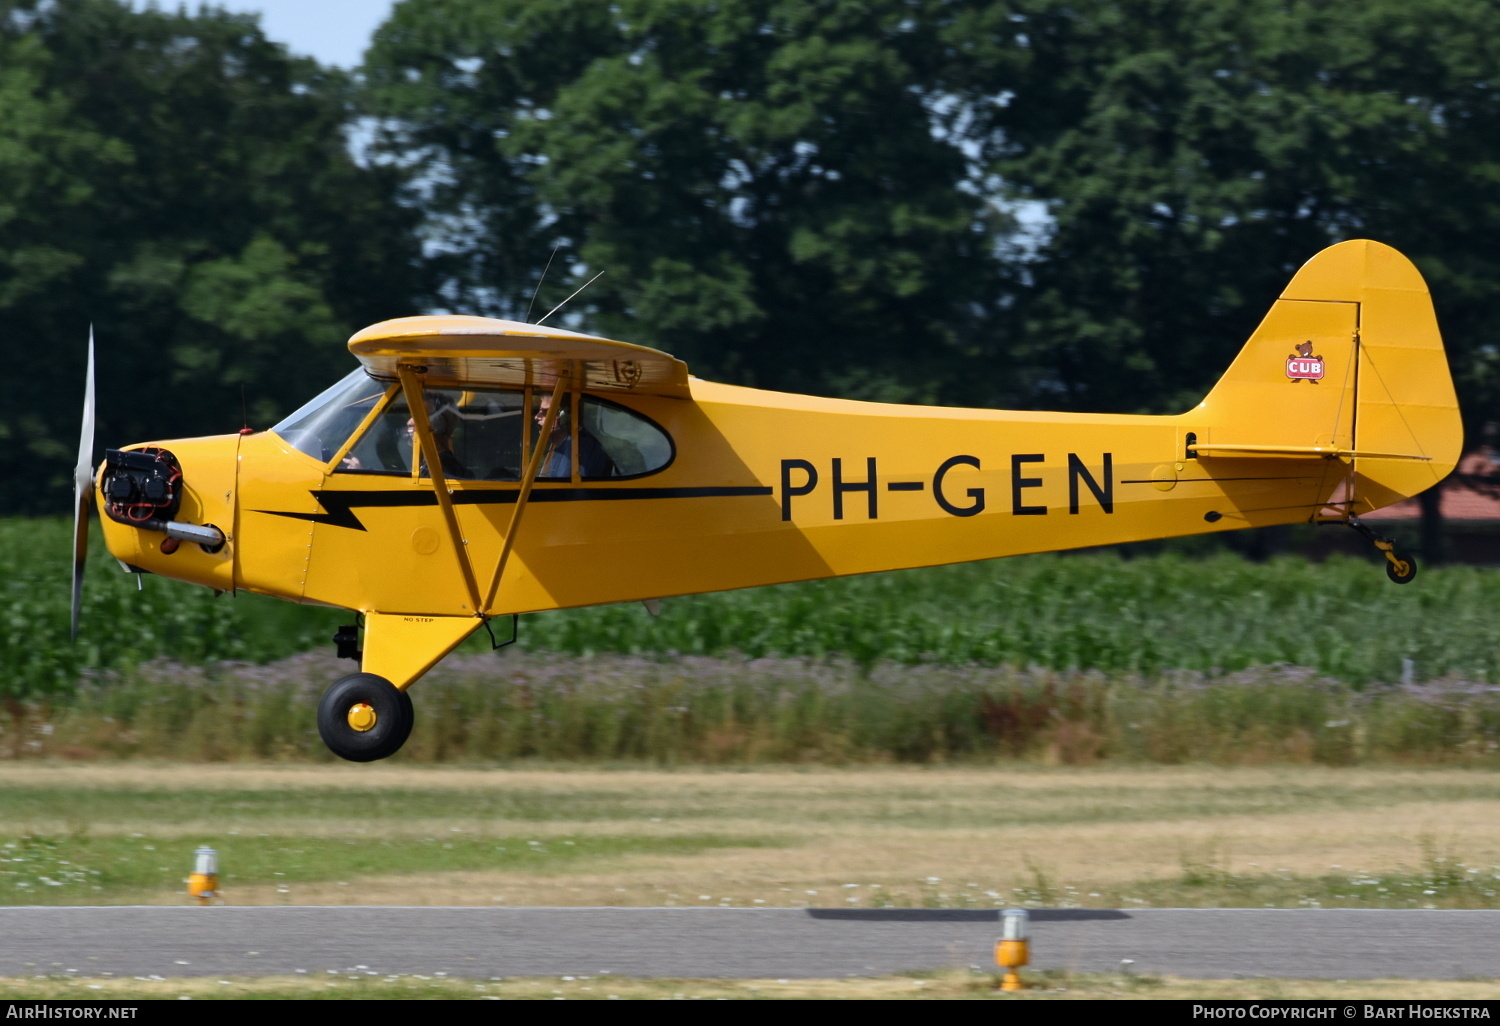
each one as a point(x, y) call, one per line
point(333, 31)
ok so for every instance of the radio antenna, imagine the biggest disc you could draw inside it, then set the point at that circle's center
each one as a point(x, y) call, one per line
point(564, 303)
point(539, 283)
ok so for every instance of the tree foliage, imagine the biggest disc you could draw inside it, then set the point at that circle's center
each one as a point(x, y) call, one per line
point(1074, 204)
point(184, 185)
point(760, 180)
point(1192, 154)
point(817, 195)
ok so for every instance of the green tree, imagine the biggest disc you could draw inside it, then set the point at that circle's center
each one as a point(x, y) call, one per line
point(185, 185)
point(760, 180)
point(1192, 154)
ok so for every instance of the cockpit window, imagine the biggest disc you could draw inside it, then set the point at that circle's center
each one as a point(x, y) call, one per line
point(481, 434)
point(322, 426)
point(477, 432)
point(612, 442)
point(387, 446)
point(632, 444)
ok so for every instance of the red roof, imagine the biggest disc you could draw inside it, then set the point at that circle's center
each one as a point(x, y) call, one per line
point(1462, 500)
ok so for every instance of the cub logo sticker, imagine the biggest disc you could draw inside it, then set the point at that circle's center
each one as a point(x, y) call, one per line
point(1304, 366)
point(627, 372)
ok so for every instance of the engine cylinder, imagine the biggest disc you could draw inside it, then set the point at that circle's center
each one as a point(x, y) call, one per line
point(141, 485)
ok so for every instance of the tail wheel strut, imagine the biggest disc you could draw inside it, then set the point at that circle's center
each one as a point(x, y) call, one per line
point(1399, 566)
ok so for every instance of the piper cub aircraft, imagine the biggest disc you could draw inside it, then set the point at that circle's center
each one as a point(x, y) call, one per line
point(404, 492)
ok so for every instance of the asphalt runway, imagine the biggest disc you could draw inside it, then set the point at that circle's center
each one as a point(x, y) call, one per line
point(744, 943)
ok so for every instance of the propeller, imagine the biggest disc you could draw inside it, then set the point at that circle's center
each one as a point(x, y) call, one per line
point(83, 488)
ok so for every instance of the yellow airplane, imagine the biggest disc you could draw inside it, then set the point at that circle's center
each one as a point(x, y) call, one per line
point(404, 492)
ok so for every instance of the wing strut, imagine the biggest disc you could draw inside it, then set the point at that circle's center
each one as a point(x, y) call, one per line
point(413, 389)
point(533, 468)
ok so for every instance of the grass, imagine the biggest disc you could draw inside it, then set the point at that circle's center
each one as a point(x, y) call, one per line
point(704, 710)
point(980, 838)
point(366, 985)
point(77, 869)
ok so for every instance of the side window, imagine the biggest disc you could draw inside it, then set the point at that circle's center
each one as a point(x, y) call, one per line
point(479, 437)
point(616, 442)
point(386, 447)
point(478, 433)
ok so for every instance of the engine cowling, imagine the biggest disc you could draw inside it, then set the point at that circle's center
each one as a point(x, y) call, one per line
point(144, 488)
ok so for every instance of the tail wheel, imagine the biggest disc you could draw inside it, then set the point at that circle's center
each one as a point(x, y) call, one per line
point(1400, 568)
point(364, 717)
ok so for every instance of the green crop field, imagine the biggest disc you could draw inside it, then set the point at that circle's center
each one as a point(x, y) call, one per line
point(1069, 658)
point(1215, 613)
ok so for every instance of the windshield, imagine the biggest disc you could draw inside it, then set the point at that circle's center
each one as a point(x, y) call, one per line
point(322, 426)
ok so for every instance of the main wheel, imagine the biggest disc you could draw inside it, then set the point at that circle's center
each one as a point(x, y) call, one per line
point(1403, 570)
point(364, 717)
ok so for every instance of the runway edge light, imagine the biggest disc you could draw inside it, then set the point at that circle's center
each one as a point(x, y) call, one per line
point(1013, 949)
point(203, 884)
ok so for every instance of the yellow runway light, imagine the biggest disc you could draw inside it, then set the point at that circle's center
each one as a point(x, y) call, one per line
point(203, 884)
point(1013, 949)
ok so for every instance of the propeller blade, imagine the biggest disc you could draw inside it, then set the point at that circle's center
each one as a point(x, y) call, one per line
point(83, 488)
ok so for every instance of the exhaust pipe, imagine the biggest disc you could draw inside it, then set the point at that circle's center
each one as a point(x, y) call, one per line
point(209, 536)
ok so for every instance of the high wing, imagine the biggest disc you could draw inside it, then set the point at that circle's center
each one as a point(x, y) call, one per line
point(476, 351)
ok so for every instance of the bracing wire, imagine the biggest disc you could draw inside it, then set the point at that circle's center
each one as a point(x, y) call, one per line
point(565, 302)
point(539, 282)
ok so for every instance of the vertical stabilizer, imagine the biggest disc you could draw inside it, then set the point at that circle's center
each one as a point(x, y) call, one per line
point(1347, 365)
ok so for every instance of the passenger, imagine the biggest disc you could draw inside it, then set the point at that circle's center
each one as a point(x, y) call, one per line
point(593, 461)
point(444, 421)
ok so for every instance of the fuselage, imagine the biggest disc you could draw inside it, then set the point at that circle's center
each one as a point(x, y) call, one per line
point(763, 487)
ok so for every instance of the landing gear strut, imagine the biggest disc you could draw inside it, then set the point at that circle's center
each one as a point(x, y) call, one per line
point(1399, 567)
point(364, 717)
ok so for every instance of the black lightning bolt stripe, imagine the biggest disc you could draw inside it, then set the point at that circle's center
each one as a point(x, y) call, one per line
point(340, 505)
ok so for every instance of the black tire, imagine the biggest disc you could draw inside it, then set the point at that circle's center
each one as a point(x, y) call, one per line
point(393, 718)
point(1398, 576)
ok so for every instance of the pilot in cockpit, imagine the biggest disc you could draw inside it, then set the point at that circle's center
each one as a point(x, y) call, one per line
point(444, 420)
point(593, 461)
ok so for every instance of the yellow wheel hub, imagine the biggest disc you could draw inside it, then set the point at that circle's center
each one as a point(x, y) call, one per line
point(361, 717)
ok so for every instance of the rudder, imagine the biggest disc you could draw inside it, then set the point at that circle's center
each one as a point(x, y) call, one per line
point(1348, 364)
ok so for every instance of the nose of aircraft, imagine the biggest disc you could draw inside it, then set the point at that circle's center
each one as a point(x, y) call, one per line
point(169, 508)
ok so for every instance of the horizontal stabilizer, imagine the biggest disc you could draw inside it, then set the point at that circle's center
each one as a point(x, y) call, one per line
point(1295, 451)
